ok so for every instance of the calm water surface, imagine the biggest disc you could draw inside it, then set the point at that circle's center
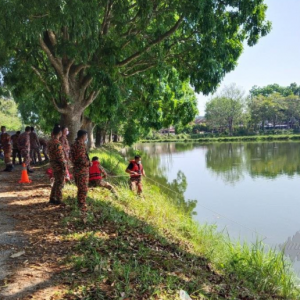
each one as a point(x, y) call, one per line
point(248, 189)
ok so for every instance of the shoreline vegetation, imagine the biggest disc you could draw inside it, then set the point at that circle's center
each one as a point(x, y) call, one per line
point(249, 138)
point(149, 248)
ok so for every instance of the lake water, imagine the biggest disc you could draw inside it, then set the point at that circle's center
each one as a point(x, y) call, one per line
point(249, 189)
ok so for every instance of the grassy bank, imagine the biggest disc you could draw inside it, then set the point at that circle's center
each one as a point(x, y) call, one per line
point(282, 137)
point(147, 248)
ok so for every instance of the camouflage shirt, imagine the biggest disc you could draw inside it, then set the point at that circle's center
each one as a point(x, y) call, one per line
point(79, 156)
point(5, 141)
point(56, 152)
point(24, 141)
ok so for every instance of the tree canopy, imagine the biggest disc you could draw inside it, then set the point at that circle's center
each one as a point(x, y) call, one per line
point(226, 109)
point(9, 114)
point(71, 51)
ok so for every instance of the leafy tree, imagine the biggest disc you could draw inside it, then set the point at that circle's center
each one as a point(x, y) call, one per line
point(226, 110)
point(9, 114)
point(76, 49)
point(149, 103)
point(260, 110)
point(270, 89)
point(275, 109)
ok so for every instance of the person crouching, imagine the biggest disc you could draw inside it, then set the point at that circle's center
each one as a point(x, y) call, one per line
point(97, 173)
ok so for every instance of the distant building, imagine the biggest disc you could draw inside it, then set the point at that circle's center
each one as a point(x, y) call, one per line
point(200, 120)
point(170, 130)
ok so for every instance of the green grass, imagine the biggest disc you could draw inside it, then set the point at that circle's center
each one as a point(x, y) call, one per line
point(282, 137)
point(147, 248)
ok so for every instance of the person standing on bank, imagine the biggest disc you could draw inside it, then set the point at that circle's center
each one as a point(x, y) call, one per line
point(44, 146)
point(24, 147)
point(16, 152)
point(81, 162)
point(34, 147)
point(58, 164)
point(5, 142)
point(65, 143)
point(136, 171)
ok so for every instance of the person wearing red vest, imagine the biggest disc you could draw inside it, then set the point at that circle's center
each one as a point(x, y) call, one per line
point(136, 171)
point(97, 173)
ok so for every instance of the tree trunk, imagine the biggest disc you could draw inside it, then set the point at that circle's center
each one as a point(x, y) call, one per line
point(115, 139)
point(230, 127)
point(104, 136)
point(73, 122)
point(98, 136)
point(89, 126)
point(110, 136)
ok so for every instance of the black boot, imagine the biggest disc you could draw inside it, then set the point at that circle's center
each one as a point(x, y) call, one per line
point(30, 170)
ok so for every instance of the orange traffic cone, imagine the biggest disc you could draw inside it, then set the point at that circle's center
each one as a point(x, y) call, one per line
point(24, 176)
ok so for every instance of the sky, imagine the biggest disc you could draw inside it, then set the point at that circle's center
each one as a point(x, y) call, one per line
point(276, 57)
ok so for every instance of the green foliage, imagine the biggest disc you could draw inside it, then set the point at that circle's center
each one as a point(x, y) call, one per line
point(9, 115)
point(270, 89)
point(68, 54)
point(226, 110)
point(274, 109)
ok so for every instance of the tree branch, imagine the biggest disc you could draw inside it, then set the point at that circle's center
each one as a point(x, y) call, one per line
point(86, 82)
point(155, 42)
point(54, 61)
point(89, 100)
point(59, 109)
point(106, 20)
point(138, 71)
point(76, 69)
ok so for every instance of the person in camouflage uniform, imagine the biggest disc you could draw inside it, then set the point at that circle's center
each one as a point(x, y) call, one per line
point(65, 143)
point(58, 165)
point(44, 146)
point(24, 147)
point(5, 142)
point(16, 151)
point(81, 162)
point(34, 147)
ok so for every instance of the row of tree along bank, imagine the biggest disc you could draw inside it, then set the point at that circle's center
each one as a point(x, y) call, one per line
point(271, 109)
point(121, 65)
point(203, 139)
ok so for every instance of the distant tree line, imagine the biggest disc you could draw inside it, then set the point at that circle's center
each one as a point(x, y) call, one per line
point(269, 107)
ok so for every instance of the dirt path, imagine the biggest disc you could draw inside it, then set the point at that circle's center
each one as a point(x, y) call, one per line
point(30, 248)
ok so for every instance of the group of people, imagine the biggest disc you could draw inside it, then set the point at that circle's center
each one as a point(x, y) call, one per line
point(26, 147)
point(86, 173)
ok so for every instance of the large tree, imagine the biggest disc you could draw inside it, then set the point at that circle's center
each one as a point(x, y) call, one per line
point(226, 110)
point(77, 48)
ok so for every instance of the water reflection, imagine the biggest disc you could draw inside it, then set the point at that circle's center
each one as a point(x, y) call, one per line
point(226, 161)
point(249, 185)
point(232, 161)
point(291, 247)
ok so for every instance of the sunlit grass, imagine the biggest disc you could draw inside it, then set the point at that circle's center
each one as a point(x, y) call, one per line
point(134, 246)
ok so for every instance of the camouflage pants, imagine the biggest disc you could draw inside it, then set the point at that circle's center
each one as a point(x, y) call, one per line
point(7, 155)
point(35, 154)
point(26, 157)
point(17, 153)
point(59, 181)
point(102, 183)
point(81, 177)
point(136, 183)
